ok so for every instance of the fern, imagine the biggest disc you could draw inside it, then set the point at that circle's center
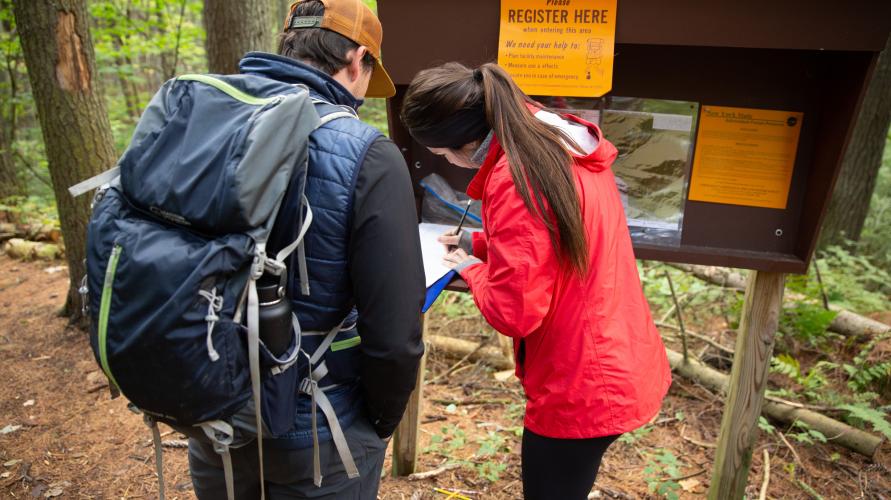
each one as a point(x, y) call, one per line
point(786, 365)
point(863, 373)
point(807, 321)
point(861, 413)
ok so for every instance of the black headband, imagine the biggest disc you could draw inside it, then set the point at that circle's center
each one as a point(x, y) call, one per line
point(456, 131)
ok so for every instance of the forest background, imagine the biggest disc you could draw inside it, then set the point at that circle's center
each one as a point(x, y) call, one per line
point(135, 45)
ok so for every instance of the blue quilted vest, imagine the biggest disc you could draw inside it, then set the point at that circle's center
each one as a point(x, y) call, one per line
point(336, 150)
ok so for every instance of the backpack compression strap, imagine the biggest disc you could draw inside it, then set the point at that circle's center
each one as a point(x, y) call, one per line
point(310, 386)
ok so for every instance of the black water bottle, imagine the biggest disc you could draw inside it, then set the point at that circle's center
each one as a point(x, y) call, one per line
point(275, 315)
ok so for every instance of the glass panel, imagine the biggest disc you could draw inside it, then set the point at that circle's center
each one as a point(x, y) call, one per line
point(655, 141)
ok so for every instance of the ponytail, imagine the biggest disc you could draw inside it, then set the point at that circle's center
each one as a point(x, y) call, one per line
point(540, 164)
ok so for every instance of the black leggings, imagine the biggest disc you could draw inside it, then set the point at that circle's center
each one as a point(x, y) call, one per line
point(560, 469)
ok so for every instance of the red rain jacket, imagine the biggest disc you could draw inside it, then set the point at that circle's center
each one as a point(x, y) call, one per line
point(588, 354)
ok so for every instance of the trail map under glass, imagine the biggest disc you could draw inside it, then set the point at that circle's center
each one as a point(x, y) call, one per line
point(655, 142)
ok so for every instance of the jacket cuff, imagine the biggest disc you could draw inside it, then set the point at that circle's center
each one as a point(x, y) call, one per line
point(465, 242)
point(467, 263)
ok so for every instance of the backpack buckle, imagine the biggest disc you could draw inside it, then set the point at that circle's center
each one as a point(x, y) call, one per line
point(307, 385)
point(275, 267)
point(258, 265)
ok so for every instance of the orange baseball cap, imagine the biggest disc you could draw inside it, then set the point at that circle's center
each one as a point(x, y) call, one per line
point(352, 19)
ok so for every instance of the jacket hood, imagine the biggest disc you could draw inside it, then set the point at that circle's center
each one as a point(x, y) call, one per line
point(598, 160)
point(603, 154)
point(287, 70)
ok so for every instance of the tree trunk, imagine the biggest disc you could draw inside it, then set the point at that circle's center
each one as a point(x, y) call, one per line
point(11, 183)
point(61, 66)
point(860, 167)
point(235, 28)
point(282, 15)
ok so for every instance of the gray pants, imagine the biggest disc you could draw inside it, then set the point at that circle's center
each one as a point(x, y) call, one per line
point(288, 473)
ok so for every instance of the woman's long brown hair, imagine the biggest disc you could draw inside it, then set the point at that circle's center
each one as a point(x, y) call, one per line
point(540, 164)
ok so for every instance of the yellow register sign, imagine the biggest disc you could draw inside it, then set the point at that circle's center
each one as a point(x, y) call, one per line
point(559, 47)
point(745, 156)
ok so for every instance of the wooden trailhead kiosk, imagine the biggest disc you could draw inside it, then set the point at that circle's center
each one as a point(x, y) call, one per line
point(731, 120)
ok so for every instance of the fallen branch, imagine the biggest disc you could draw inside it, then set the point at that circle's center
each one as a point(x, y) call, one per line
point(175, 443)
point(433, 473)
point(837, 432)
point(456, 347)
point(794, 453)
point(471, 402)
point(18, 248)
point(696, 441)
point(699, 336)
point(809, 490)
point(687, 476)
point(31, 232)
point(766, 465)
point(845, 323)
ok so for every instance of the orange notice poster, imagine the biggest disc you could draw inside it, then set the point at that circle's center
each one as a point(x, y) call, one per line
point(559, 47)
point(745, 156)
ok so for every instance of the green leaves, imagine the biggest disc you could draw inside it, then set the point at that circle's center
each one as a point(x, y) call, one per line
point(786, 365)
point(451, 440)
point(865, 373)
point(807, 434)
point(765, 426)
point(860, 414)
point(660, 473)
point(807, 321)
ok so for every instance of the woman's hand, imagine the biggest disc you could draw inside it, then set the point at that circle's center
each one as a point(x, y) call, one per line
point(452, 259)
point(450, 240)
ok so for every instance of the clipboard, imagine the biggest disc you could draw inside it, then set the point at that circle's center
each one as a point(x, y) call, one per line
point(437, 275)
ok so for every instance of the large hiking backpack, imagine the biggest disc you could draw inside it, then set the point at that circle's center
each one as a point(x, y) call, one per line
point(175, 246)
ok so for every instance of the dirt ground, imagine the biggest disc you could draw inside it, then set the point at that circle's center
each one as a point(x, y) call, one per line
point(61, 436)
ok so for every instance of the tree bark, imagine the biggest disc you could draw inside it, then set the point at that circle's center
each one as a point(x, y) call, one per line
point(235, 28)
point(61, 66)
point(849, 204)
point(11, 183)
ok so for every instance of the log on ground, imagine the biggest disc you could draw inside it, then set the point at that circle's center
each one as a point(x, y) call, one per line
point(836, 432)
point(490, 355)
point(846, 323)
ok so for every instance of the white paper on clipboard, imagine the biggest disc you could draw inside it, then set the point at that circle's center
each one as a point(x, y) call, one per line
point(433, 251)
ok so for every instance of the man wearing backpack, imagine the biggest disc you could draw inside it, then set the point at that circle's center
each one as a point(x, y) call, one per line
point(363, 261)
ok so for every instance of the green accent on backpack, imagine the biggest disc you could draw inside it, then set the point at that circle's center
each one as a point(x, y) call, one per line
point(105, 307)
point(229, 89)
point(345, 344)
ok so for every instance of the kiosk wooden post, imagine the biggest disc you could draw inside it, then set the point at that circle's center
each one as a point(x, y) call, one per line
point(405, 440)
point(748, 380)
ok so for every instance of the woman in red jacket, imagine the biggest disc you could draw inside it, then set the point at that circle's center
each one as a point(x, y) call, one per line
point(553, 268)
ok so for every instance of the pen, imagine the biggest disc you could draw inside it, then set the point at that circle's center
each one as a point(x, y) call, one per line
point(461, 222)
